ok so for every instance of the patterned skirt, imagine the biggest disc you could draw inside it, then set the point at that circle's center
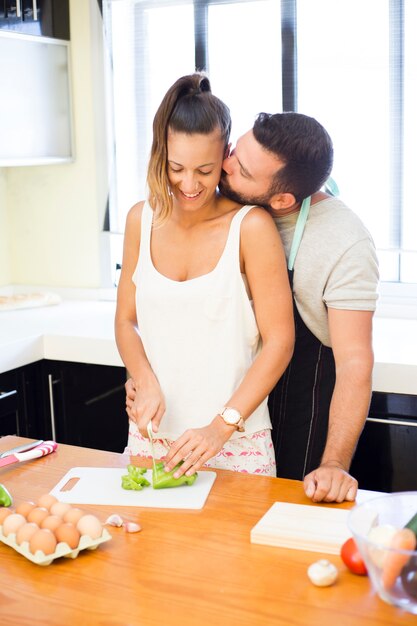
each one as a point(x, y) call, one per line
point(250, 454)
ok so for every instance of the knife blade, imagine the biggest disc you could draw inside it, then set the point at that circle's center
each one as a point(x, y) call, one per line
point(150, 433)
point(23, 448)
point(35, 453)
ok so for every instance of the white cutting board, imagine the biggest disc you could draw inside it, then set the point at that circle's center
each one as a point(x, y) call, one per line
point(102, 485)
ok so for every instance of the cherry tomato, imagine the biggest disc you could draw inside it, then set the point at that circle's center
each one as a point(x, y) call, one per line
point(351, 557)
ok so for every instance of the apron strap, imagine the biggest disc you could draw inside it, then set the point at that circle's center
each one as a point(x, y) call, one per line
point(299, 230)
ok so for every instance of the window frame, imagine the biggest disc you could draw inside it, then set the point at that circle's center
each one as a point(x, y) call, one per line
point(396, 298)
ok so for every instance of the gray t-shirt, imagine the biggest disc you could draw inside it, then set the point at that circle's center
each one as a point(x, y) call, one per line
point(336, 264)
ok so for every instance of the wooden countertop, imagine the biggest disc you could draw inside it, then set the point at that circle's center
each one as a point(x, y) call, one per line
point(194, 568)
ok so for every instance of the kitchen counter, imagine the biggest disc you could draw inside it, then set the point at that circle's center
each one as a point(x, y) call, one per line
point(83, 331)
point(185, 567)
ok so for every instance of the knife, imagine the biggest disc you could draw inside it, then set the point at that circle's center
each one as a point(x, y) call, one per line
point(150, 433)
point(24, 448)
point(35, 453)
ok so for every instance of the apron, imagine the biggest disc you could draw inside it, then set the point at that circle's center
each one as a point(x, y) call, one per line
point(299, 404)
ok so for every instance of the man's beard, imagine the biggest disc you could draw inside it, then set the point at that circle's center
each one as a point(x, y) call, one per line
point(230, 193)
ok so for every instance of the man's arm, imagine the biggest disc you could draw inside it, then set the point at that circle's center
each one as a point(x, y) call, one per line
point(351, 336)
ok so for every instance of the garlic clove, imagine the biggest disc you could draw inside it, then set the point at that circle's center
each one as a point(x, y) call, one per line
point(322, 573)
point(114, 520)
point(132, 527)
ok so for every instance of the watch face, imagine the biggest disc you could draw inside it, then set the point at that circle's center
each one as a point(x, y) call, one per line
point(231, 416)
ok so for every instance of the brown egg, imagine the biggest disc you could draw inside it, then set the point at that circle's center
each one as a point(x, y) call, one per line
point(25, 532)
point(25, 507)
point(90, 525)
point(12, 523)
point(68, 534)
point(51, 522)
point(4, 512)
point(46, 501)
point(37, 515)
point(60, 508)
point(73, 515)
point(43, 540)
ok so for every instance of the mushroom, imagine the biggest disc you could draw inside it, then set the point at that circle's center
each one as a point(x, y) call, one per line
point(322, 573)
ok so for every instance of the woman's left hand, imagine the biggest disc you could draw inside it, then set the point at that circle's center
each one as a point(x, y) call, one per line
point(196, 446)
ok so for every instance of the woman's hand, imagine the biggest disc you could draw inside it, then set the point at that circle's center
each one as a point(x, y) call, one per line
point(145, 403)
point(196, 446)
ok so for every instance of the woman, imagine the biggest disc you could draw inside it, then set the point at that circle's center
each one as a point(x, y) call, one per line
point(202, 358)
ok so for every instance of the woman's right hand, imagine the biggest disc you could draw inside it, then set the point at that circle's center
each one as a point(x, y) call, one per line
point(145, 404)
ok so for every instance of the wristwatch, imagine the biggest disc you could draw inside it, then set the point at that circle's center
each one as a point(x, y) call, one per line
point(232, 417)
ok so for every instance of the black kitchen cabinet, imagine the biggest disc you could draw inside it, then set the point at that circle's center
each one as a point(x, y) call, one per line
point(72, 403)
point(386, 456)
point(45, 18)
point(9, 415)
point(19, 402)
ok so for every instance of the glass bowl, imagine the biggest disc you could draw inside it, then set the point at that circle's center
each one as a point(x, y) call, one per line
point(393, 572)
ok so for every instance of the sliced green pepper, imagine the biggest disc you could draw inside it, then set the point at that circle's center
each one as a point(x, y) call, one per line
point(5, 497)
point(135, 479)
point(162, 479)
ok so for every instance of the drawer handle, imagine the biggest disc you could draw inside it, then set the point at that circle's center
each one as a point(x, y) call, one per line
point(51, 382)
point(7, 394)
point(392, 422)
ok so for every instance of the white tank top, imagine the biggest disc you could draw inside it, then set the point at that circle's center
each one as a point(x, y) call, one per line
point(200, 335)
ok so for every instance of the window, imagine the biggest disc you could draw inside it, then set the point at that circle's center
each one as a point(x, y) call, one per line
point(351, 64)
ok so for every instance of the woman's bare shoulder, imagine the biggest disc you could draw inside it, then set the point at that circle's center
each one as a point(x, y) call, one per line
point(258, 219)
point(135, 212)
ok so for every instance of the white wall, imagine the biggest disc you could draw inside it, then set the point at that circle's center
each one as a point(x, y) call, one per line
point(5, 274)
point(55, 213)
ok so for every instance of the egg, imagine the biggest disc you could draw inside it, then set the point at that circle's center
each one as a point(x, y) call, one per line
point(37, 515)
point(4, 512)
point(24, 508)
point(25, 532)
point(12, 523)
point(51, 522)
point(46, 501)
point(43, 540)
point(68, 534)
point(90, 525)
point(60, 508)
point(73, 515)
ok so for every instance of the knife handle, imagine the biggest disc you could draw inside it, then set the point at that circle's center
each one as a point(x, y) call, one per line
point(45, 448)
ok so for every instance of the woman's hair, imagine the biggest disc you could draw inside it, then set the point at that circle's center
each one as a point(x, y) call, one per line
point(303, 145)
point(187, 107)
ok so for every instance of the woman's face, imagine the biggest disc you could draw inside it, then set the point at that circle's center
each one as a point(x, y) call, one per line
point(194, 168)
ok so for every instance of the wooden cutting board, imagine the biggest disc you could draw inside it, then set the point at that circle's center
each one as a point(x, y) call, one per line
point(102, 485)
point(303, 527)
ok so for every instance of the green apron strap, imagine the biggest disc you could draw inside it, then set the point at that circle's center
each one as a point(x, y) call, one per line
point(331, 187)
point(299, 230)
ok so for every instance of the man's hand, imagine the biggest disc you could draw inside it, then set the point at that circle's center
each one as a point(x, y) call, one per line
point(330, 483)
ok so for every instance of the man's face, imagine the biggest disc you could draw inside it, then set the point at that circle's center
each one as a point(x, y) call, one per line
point(248, 172)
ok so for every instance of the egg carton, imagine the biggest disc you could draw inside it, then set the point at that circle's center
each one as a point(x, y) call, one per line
point(62, 549)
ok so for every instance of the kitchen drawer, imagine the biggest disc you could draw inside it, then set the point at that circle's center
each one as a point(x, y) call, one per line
point(386, 456)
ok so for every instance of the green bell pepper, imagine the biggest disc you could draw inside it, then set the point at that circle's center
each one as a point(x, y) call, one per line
point(162, 479)
point(135, 479)
point(5, 497)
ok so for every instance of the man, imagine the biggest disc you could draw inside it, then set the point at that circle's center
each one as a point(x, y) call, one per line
point(320, 404)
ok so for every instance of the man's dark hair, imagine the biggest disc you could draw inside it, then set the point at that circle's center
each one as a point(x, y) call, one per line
point(303, 145)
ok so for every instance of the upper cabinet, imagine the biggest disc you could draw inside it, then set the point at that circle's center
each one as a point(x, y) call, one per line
point(47, 18)
point(35, 106)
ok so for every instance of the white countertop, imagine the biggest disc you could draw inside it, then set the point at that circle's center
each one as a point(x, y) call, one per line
point(83, 331)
